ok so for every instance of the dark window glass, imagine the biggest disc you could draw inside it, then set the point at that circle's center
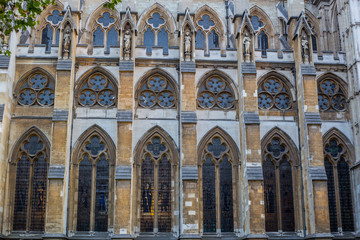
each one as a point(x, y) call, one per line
point(206, 22)
point(156, 20)
point(209, 202)
point(272, 94)
point(112, 38)
point(263, 42)
point(57, 36)
point(213, 40)
point(226, 196)
point(256, 23)
point(102, 195)
point(84, 195)
point(164, 195)
point(55, 17)
point(98, 37)
point(21, 194)
point(314, 43)
point(347, 217)
point(38, 201)
point(147, 198)
point(46, 39)
point(199, 40)
point(331, 96)
point(271, 221)
point(149, 40)
point(331, 195)
point(163, 39)
point(286, 192)
point(106, 20)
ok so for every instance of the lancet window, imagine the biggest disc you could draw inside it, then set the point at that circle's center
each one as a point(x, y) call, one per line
point(263, 42)
point(51, 32)
point(332, 95)
point(156, 33)
point(207, 35)
point(337, 166)
point(274, 94)
point(31, 160)
point(105, 33)
point(278, 170)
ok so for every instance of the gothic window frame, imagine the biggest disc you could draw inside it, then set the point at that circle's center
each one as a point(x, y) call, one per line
point(329, 97)
point(230, 88)
point(23, 86)
point(55, 27)
point(273, 96)
point(347, 155)
point(314, 24)
point(78, 155)
point(291, 155)
point(83, 84)
point(140, 153)
point(143, 86)
point(233, 156)
point(17, 152)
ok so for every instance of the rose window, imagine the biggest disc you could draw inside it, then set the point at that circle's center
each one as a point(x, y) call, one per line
point(332, 96)
point(273, 94)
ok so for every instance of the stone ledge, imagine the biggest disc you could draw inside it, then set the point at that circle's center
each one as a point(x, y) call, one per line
point(251, 118)
point(254, 173)
point(126, 66)
point(2, 108)
point(122, 236)
point(257, 236)
point(320, 236)
point(56, 172)
point(64, 65)
point(54, 236)
point(189, 173)
point(308, 70)
point(189, 67)
point(318, 173)
point(248, 68)
point(190, 236)
point(188, 117)
point(124, 116)
point(312, 118)
point(4, 62)
point(123, 172)
point(60, 115)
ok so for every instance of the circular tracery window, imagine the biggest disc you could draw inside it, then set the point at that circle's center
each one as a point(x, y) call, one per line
point(273, 94)
point(215, 93)
point(97, 90)
point(157, 91)
point(331, 96)
point(37, 90)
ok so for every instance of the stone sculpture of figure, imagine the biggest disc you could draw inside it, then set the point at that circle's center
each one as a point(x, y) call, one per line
point(127, 44)
point(247, 44)
point(147, 198)
point(305, 49)
point(67, 42)
point(187, 45)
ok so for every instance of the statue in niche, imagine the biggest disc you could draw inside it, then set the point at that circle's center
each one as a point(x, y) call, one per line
point(305, 49)
point(247, 45)
point(127, 44)
point(187, 45)
point(67, 42)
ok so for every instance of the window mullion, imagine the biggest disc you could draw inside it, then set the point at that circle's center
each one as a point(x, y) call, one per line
point(278, 196)
point(156, 197)
point(31, 180)
point(337, 196)
point(93, 198)
point(217, 196)
point(207, 51)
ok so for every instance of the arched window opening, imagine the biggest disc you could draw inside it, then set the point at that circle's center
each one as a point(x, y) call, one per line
point(98, 37)
point(31, 184)
point(156, 33)
point(47, 35)
point(274, 94)
point(105, 32)
point(51, 32)
point(199, 40)
point(278, 186)
point(314, 43)
point(339, 185)
point(207, 34)
point(257, 24)
point(332, 95)
point(36, 90)
point(263, 42)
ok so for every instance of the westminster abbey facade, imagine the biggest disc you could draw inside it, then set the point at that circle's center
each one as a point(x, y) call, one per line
point(191, 119)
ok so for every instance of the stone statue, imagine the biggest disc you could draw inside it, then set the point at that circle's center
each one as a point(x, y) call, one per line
point(247, 45)
point(187, 45)
point(67, 42)
point(305, 49)
point(127, 44)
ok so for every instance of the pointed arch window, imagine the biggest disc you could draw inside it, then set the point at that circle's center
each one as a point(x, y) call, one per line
point(105, 32)
point(94, 169)
point(216, 93)
point(51, 32)
point(337, 166)
point(156, 33)
point(278, 170)
point(207, 35)
point(37, 89)
point(263, 42)
point(96, 90)
point(31, 163)
point(274, 94)
point(332, 95)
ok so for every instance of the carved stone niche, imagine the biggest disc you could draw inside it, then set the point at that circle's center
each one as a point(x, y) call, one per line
point(66, 43)
point(305, 48)
point(247, 45)
point(127, 42)
point(187, 43)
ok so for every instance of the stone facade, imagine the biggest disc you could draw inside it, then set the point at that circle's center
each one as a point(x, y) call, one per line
point(174, 119)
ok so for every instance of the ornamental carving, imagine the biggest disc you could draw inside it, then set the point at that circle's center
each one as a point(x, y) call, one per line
point(274, 94)
point(332, 96)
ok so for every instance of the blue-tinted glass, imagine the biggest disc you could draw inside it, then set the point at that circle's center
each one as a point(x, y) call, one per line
point(256, 23)
point(226, 196)
point(264, 100)
point(225, 100)
point(263, 42)
point(205, 22)
point(84, 195)
point(339, 102)
point(156, 147)
point(38, 81)
point(157, 84)
point(163, 39)
point(46, 97)
point(33, 146)
point(314, 43)
point(87, 98)
point(216, 147)
point(46, 39)
point(147, 99)
point(97, 83)
point(147, 195)
point(106, 20)
point(149, 40)
point(106, 98)
point(323, 102)
point(156, 20)
point(199, 40)
point(206, 100)
point(102, 195)
point(209, 199)
point(57, 36)
point(112, 38)
point(55, 17)
point(166, 99)
point(328, 87)
point(276, 148)
point(282, 101)
point(164, 195)
point(213, 40)
point(95, 146)
point(98, 37)
point(272, 86)
point(215, 85)
point(27, 97)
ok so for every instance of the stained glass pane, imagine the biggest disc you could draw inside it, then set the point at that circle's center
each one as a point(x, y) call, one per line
point(106, 20)
point(149, 40)
point(38, 199)
point(226, 196)
point(46, 39)
point(314, 43)
point(55, 17)
point(216, 147)
point(256, 23)
point(209, 201)
point(213, 40)
point(57, 36)
point(206, 22)
point(271, 222)
point(331, 195)
point(21, 194)
point(102, 195)
point(263, 42)
point(164, 195)
point(112, 38)
point(199, 40)
point(347, 217)
point(147, 195)
point(163, 39)
point(286, 193)
point(98, 37)
point(84, 195)
point(156, 20)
